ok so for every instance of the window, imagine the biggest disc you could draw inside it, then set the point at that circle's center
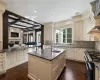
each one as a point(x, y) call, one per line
point(56, 37)
point(69, 35)
point(65, 35)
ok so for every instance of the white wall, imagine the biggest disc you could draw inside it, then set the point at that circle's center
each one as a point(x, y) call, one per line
point(20, 38)
point(38, 38)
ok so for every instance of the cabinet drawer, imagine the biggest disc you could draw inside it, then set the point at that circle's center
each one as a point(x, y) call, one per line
point(58, 61)
point(55, 76)
point(2, 55)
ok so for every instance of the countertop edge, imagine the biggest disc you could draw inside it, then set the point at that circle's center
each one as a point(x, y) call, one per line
point(46, 58)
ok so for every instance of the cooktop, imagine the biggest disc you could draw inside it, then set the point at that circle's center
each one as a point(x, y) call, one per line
point(95, 55)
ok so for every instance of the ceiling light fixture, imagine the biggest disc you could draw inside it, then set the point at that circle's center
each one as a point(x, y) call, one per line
point(35, 11)
point(52, 9)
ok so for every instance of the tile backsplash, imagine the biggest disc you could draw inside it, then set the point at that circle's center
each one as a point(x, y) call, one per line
point(88, 44)
point(97, 45)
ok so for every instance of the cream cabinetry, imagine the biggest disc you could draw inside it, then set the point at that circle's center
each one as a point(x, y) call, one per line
point(70, 53)
point(45, 69)
point(97, 74)
point(75, 54)
point(2, 63)
point(79, 54)
point(16, 57)
point(78, 30)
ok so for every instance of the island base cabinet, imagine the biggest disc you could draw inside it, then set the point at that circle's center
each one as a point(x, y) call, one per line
point(42, 69)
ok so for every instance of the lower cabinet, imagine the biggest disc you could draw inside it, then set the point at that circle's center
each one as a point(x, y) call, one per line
point(2, 63)
point(79, 54)
point(70, 53)
point(58, 66)
point(75, 54)
point(97, 74)
point(45, 69)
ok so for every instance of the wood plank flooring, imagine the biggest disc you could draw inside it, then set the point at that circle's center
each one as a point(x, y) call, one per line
point(73, 71)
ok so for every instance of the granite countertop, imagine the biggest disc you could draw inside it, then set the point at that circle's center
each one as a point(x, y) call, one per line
point(47, 53)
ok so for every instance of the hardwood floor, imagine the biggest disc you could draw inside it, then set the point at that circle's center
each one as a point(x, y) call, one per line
point(73, 71)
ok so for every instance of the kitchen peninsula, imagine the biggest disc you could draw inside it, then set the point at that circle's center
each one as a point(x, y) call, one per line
point(46, 64)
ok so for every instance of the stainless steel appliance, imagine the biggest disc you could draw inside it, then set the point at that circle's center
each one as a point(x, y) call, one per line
point(91, 57)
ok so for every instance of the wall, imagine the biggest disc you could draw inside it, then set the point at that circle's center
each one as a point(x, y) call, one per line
point(38, 38)
point(20, 38)
point(81, 25)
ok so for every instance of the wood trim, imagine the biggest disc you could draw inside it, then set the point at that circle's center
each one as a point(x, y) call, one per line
point(42, 36)
point(16, 15)
point(5, 31)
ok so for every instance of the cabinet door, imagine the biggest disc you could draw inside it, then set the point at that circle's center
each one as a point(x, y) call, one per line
point(2, 63)
point(97, 73)
point(70, 53)
point(79, 54)
point(78, 30)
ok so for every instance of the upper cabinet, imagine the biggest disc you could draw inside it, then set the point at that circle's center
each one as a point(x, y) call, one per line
point(78, 30)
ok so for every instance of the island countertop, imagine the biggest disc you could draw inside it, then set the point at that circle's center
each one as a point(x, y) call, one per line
point(48, 54)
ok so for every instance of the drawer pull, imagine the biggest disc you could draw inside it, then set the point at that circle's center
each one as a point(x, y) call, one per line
point(55, 68)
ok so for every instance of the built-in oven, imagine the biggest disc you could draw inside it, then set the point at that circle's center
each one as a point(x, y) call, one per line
point(90, 71)
point(90, 68)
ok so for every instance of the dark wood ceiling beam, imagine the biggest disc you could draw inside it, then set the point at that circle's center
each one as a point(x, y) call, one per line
point(11, 23)
point(11, 18)
point(16, 15)
point(26, 22)
point(16, 27)
point(20, 25)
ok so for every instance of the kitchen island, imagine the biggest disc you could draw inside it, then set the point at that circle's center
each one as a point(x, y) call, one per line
point(46, 64)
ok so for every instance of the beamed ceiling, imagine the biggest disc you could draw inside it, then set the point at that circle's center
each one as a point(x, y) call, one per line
point(17, 21)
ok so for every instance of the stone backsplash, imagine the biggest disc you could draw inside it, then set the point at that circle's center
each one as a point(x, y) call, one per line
point(97, 45)
point(84, 44)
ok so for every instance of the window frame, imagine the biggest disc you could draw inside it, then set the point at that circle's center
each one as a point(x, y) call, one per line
point(66, 39)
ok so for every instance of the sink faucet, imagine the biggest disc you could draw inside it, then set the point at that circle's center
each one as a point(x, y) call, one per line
point(51, 48)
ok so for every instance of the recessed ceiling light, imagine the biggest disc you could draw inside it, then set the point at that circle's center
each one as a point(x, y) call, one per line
point(35, 11)
point(52, 9)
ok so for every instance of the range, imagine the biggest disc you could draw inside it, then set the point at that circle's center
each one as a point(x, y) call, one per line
point(91, 57)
